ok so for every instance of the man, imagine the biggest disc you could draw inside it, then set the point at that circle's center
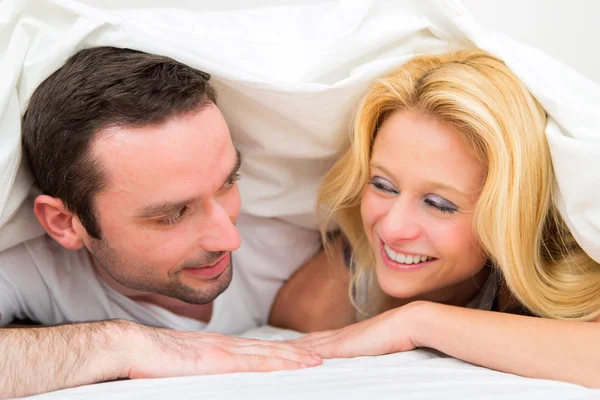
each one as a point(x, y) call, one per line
point(139, 199)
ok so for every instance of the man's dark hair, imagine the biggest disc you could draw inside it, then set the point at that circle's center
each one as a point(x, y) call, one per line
point(99, 88)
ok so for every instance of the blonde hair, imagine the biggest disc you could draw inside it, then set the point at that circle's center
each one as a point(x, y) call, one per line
point(515, 219)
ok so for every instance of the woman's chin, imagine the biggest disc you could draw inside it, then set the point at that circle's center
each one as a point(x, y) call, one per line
point(399, 287)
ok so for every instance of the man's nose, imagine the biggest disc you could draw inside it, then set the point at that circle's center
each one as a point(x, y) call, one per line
point(219, 231)
point(400, 223)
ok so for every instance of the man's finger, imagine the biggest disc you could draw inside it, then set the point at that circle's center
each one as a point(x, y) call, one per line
point(258, 363)
point(282, 346)
point(240, 342)
point(292, 354)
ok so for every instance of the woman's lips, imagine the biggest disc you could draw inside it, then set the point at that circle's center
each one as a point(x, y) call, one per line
point(401, 267)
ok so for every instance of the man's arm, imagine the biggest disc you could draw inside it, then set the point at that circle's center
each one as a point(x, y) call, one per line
point(37, 360)
point(316, 297)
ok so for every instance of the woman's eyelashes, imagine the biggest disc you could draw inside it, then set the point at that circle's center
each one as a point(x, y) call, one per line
point(383, 185)
point(441, 204)
point(432, 200)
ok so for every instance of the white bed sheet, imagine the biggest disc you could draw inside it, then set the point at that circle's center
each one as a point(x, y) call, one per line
point(418, 374)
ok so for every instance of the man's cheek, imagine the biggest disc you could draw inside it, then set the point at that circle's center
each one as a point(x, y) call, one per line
point(171, 250)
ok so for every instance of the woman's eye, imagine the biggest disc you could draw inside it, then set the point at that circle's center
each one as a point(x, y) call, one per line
point(441, 204)
point(383, 185)
point(174, 218)
point(234, 178)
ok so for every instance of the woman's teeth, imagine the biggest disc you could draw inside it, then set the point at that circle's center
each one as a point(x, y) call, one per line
point(405, 258)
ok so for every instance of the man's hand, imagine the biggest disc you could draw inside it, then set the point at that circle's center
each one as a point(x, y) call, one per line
point(164, 352)
point(386, 333)
point(37, 360)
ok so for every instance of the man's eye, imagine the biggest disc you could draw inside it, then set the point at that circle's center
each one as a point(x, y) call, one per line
point(383, 185)
point(441, 204)
point(173, 218)
point(232, 180)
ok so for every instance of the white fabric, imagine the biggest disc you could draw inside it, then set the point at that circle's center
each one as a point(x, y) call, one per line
point(416, 374)
point(289, 79)
point(42, 281)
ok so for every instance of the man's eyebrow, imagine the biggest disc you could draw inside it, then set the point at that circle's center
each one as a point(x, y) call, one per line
point(161, 209)
point(171, 207)
point(236, 167)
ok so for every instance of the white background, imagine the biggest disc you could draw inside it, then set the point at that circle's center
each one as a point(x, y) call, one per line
point(568, 30)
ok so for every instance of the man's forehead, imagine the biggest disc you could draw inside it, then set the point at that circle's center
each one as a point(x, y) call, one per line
point(187, 154)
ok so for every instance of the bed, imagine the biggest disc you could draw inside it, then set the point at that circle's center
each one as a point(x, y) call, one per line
point(418, 374)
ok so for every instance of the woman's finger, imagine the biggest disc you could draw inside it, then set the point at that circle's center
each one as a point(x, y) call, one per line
point(311, 337)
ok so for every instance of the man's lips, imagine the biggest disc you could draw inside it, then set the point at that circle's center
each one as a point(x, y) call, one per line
point(210, 271)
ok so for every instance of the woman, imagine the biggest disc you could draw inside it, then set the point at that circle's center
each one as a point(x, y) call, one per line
point(445, 203)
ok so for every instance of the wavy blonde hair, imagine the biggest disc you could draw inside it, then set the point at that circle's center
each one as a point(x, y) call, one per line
point(515, 219)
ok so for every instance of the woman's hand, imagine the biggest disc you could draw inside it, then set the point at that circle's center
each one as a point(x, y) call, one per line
point(390, 332)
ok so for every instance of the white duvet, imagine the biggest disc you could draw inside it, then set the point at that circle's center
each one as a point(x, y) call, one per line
point(288, 80)
point(417, 374)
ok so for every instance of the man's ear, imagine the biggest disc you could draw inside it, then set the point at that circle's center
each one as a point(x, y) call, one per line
point(58, 221)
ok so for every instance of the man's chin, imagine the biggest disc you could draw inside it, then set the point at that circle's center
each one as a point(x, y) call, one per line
point(203, 290)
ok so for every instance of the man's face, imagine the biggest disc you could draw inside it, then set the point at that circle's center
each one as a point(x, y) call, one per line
point(167, 216)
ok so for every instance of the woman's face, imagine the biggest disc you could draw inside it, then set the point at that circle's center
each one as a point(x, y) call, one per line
point(417, 209)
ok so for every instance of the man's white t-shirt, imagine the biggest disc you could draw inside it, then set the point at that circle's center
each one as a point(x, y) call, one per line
point(44, 282)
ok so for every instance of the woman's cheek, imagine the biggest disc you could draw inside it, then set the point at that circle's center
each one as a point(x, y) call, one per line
point(373, 209)
point(450, 235)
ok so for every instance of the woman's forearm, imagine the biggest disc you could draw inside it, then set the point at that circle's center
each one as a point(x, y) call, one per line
point(527, 346)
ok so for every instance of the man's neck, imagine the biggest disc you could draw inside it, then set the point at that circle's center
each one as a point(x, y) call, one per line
point(200, 312)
